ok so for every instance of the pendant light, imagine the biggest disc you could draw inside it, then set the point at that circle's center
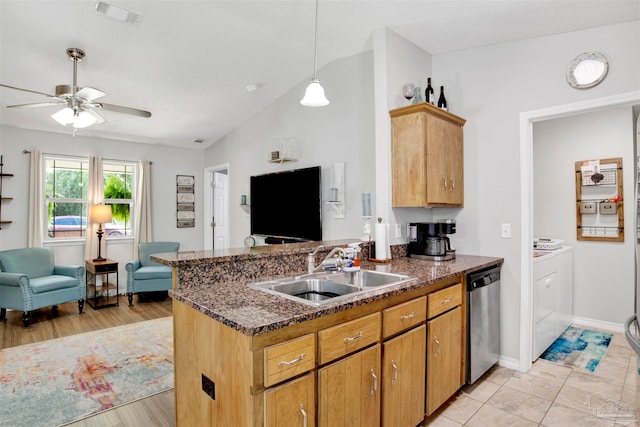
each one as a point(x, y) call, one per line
point(314, 95)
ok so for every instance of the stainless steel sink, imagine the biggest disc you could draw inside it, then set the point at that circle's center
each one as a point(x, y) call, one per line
point(368, 278)
point(322, 288)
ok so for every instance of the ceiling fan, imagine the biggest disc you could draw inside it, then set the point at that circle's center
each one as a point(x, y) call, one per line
point(79, 104)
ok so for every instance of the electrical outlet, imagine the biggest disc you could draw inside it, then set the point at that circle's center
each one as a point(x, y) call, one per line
point(506, 231)
point(209, 387)
point(398, 231)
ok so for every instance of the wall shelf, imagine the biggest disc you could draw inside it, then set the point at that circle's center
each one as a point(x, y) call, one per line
point(3, 198)
point(282, 160)
point(599, 208)
point(246, 208)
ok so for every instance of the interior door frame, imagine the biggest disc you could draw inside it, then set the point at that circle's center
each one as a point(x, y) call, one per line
point(208, 200)
point(527, 119)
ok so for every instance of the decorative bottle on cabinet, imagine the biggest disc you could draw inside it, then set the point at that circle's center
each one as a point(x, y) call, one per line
point(442, 101)
point(417, 97)
point(428, 93)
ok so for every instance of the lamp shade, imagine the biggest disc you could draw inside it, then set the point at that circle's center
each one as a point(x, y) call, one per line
point(314, 95)
point(64, 116)
point(100, 214)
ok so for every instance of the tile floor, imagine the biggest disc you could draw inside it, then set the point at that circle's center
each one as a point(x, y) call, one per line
point(550, 395)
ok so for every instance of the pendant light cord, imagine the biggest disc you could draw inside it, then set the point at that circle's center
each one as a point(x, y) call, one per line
point(315, 45)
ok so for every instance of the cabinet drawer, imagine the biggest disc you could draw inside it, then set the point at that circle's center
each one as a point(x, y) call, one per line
point(348, 337)
point(443, 300)
point(403, 316)
point(288, 359)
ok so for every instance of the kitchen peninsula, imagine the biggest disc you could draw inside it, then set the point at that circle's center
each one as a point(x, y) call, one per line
point(245, 357)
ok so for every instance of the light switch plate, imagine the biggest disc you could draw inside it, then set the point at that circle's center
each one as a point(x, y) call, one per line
point(506, 231)
point(398, 231)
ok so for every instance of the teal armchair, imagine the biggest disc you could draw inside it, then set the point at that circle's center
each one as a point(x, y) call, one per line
point(144, 275)
point(30, 279)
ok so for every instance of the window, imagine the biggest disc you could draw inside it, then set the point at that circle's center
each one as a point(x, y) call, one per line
point(118, 192)
point(66, 183)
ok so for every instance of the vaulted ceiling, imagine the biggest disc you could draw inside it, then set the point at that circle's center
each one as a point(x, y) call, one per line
point(189, 62)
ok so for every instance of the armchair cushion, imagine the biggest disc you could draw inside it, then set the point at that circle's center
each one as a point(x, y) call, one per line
point(145, 250)
point(152, 272)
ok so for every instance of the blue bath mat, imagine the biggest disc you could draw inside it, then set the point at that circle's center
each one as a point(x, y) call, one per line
point(579, 347)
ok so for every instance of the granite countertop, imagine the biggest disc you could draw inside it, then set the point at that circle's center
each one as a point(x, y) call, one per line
point(254, 312)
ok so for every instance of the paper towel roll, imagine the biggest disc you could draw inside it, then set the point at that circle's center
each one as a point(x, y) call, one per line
point(381, 234)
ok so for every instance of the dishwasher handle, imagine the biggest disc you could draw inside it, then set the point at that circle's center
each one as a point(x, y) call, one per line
point(483, 278)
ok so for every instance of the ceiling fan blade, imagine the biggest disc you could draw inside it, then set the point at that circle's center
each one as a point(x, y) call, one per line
point(121, 109)
point(27, 90)
point(38, 104)
point(89, 93)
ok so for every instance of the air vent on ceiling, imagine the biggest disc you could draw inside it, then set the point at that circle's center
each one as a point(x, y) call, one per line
point(199, 140)
point(119, 13)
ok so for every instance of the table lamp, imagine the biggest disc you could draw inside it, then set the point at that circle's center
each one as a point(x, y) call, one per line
point(99, 214)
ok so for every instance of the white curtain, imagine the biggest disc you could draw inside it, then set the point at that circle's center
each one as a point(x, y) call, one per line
point(143, 206)
point(36, 201)
point(95, 196)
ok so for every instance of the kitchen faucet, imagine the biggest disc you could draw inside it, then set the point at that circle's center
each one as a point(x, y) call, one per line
point(311, 260)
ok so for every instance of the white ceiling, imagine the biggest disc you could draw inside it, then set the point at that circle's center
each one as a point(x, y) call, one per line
point(188, 62)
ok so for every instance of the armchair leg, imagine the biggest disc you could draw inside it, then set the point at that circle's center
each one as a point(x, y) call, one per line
point(54, 309)
point(26, 319)
point(3, 314)
point(130, 297)
point(80, 306)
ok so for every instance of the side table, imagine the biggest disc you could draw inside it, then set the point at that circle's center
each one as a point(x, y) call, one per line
point(99, 295)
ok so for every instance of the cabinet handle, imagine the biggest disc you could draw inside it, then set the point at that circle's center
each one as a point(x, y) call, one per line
point(283, 363)
point(374, 388)
point(304, 415)
point(357, 337)
point(408, 316)
point(444, 183)
point(394, 375)
point(453, 185)
point(447, 301)
point(437, 352)
point(547, 283)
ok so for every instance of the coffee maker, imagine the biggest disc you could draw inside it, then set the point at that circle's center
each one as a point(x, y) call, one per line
point(428, 240)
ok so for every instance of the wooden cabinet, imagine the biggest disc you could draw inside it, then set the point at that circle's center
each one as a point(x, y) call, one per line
point(403, 385)
point(365, 366)
point(426, 157)
point(292, 404)
point(349, 391)
point(444, 345)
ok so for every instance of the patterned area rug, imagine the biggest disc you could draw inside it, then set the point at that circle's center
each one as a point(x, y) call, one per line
point(66, 379)
point(580, 348)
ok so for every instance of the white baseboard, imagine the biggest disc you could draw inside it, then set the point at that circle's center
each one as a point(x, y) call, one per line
point(607, 326)
point(508, 362)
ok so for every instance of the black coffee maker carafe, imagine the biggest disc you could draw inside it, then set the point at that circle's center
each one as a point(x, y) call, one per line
point(428, 240)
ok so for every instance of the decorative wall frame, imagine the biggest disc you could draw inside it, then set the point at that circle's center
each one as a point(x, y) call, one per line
point(599, 203)
point(185, 201)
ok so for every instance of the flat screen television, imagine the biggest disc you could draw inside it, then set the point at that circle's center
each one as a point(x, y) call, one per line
point(287, 206)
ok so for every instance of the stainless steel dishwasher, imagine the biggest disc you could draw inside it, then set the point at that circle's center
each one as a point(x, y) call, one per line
point(483, 321)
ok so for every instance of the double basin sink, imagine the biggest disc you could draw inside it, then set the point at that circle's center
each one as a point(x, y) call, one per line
point(327, 287)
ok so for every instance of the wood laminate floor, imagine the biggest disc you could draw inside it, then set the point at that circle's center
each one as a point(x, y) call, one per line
point(157, 410)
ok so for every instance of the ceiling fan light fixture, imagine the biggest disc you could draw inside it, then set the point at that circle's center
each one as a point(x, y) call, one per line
point(64, 116)
point(83, 119)
point(314, 95)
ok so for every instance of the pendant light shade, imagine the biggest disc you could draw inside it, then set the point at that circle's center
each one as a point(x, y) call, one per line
point(314, 95)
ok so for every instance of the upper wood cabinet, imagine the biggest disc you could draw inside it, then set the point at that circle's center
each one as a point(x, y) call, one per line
point(426, 157)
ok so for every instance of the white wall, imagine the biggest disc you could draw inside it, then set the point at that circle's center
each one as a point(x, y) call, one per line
point(339, 132)
point(604, 271)
point(490, 87)
point(167, 163)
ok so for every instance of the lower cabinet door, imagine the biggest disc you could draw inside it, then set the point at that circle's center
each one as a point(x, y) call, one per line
point(403, 373)
point(444, 358)
point(291, 404)
point(349, 391)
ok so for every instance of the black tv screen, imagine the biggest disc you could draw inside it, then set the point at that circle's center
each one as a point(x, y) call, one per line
point(287, 205)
